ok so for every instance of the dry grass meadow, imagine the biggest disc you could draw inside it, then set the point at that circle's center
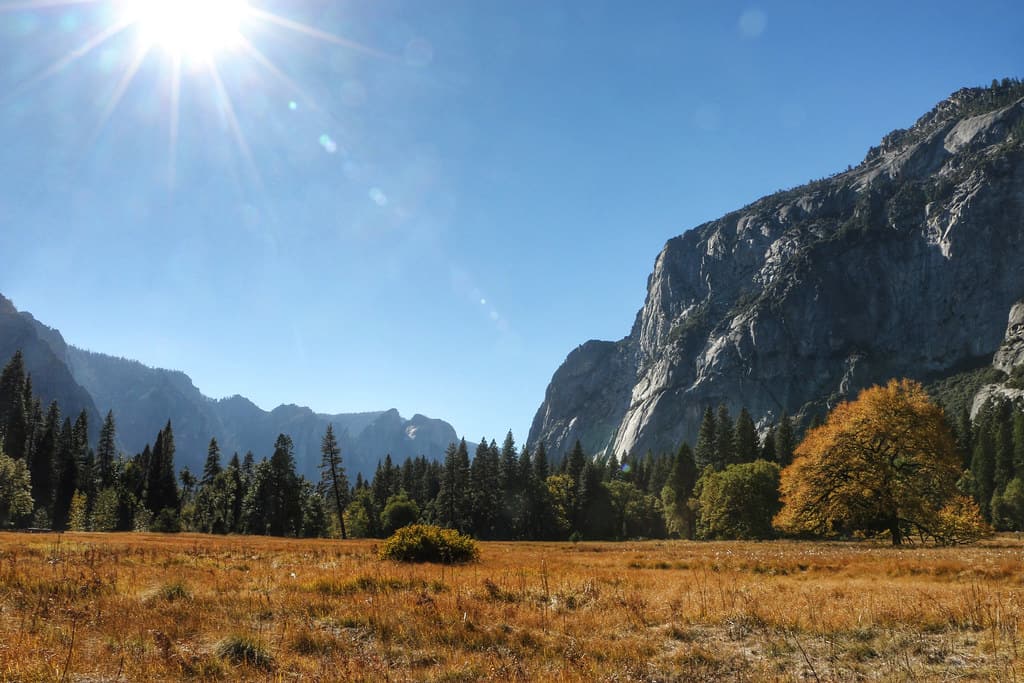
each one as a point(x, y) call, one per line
point(143, 607)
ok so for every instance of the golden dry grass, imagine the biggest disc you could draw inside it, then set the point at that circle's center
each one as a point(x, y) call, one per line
point(108, 607)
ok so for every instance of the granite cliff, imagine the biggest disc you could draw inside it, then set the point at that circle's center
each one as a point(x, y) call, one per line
point(906, 265)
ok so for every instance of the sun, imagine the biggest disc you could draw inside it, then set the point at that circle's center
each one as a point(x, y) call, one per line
point(190, 29)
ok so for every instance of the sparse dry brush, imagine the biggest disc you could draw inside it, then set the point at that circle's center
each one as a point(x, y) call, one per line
point(106, 607)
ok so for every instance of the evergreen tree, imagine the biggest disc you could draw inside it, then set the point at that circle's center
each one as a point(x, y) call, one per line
point(1018, 443)
point(453, 504)
point(285, 499)
point(332, 473)
point(725, 453)
point(983, 459)
point(43, 467)
point(705, 450)
point(67, 476)
point(575, 463)
point(541, 466)
point(212, 466)
point(106, 453)
point(768, 446)
point(236, 493)
point(485, 485)
point(785, 441)
point(1003, 428)
point(745, 443)
point(13, 407)
point(675, 495)
point(161, 483)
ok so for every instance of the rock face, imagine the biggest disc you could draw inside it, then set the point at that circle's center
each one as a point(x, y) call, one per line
point(144, 399)
point(1009, 359)
point(51, 379)
point(903, 266)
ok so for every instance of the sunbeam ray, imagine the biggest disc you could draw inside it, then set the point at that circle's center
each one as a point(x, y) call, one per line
point(298, 26)
point(122, 85)
point(288, 82)
point(76, 54)
point(229, 114)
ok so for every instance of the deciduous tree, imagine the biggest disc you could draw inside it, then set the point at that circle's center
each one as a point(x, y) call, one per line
point(884, 462)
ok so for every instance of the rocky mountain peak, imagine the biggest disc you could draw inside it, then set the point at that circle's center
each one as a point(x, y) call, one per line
point(903, 266)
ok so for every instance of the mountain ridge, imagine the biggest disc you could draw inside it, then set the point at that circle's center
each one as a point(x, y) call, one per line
point(144, 398)
point(802, 297)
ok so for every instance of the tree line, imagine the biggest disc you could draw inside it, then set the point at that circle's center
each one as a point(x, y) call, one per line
point(734, 483)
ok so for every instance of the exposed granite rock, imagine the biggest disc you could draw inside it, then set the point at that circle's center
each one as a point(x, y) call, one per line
point(1009, 359)
point(903, 266)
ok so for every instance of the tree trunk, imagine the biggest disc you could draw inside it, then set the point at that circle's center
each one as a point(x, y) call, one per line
point(894, 529)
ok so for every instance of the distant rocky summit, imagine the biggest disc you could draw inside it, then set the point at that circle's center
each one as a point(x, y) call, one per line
point(906, 265)
point(144, 399)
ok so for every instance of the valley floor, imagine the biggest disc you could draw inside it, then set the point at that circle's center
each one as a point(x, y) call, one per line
point(133, 607)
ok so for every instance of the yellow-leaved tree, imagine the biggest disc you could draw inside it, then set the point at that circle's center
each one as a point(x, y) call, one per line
point(886, 462)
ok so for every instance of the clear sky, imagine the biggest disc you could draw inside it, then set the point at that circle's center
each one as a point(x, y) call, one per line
point(423, 205)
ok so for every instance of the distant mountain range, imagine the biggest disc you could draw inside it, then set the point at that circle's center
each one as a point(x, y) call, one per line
point(907, 265)
point(144, 399)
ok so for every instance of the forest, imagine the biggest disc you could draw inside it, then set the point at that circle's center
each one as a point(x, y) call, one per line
point(730, 485)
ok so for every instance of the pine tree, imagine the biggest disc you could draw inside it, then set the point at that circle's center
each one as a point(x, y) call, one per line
point(745, 443)
point(541, 466)
point(575, 463)
point(485, 485)
point(106, 453)
point(983, 460)
point(1018, 443)
point(161, 484)
point(333, 475)
point(236, 493)
point(67, 476)
point(785, 441)
point(212, 466)
point(725, 453)
point(705, 450)
point(1004, 447)
point(13, 407)
point(44, 464)
point(453, 504)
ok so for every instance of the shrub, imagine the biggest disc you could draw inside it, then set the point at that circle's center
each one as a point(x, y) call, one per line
point(242, 650)
point(426, 543)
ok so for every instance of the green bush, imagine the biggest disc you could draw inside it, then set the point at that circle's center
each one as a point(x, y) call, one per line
point(426, 543)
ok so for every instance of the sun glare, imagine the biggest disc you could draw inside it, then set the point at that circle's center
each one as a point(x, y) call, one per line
point(192, 29)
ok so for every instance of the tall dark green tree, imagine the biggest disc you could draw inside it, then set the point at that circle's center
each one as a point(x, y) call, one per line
point(67, 476)
point(705, 451)
point(13, 407)
point(983, 459)
point(453, 501)
point(486, 492)
point(43, 467)
point(332, 472)
point(745, 442)
point(785, 441)
point(575, 463)
point(106, 452)
point(724, 438)
point(1003, 429)
point(211, 468)
point(541, 466)
point(161, 482)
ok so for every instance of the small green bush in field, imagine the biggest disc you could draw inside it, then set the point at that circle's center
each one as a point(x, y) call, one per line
point(426, 543)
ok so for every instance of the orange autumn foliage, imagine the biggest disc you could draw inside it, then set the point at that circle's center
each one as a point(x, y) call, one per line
point(884, 462)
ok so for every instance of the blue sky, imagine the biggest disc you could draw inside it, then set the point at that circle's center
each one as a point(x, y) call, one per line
point(432, 212)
